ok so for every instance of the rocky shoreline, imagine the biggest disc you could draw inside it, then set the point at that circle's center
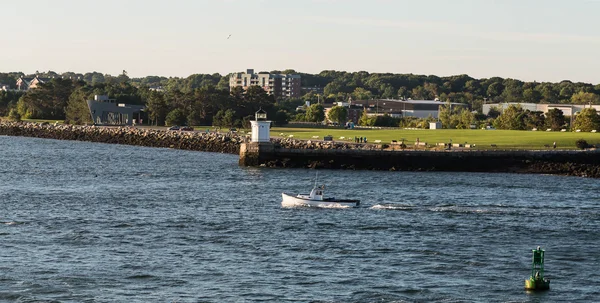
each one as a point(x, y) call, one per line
point(293, 153)
point(197, 141)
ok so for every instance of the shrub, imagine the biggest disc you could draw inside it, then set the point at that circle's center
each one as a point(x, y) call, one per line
point(14, 115)
point(582, 144)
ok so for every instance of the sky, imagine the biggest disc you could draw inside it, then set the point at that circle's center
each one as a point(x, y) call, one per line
point(530, 40)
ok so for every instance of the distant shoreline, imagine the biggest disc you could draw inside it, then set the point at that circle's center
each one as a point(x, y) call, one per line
point(291, 153)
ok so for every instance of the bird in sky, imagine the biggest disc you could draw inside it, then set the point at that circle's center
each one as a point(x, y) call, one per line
point(228, 36)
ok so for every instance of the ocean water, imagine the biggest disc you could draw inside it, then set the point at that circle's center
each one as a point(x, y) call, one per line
point(89, 222)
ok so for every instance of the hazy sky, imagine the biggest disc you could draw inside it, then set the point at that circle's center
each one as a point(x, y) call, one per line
point(542, 40)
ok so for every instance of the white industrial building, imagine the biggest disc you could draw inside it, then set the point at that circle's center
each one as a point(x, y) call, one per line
point(567, 109)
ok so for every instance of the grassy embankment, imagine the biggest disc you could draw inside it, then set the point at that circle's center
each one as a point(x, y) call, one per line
point(483, 139)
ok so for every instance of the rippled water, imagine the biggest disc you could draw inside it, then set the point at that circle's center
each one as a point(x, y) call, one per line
point(87, 222)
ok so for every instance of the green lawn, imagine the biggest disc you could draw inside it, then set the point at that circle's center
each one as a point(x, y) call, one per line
point(483, 139)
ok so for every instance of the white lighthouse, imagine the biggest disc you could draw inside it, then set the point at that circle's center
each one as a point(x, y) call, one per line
point(261, 127)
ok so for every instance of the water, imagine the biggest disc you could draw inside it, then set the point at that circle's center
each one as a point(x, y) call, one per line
point(87, 222)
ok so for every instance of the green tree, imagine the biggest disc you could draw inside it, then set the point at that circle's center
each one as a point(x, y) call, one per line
point(531, 96)
point(157, 108)
point(494, 112)
point(175, 117)
point(14, 115)
point(555, 119)
point(495, 89)
point(465, 119)
point(585, 98)
point(48, 101)
point(338, 114)
point(315, 113)
point(228, 119)
point(366, 120)
point(587, 120)
point(362, 94)
point(403, 93)
point(445, 115)
point(513, 117)
point(281, 118)
point(77, 111)
point(535, 119)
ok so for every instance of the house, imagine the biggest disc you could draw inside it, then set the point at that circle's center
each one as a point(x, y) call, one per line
point(24, 84)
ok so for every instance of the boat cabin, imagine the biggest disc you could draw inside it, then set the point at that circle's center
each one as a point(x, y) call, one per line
point(316, 194)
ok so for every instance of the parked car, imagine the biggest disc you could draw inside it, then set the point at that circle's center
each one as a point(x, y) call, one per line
point(174, 127)
point(186, 128)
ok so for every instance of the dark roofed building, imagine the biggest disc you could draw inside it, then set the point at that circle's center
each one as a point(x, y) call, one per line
point(29, 83)
point(404, 108)
point(105, 111)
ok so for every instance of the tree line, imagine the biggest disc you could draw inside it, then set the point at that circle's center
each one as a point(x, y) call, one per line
point(205, 99)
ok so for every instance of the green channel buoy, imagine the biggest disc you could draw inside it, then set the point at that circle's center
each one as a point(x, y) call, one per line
point(537, 280)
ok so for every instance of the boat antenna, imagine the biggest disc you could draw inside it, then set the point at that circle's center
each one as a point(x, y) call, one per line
point(316, 177)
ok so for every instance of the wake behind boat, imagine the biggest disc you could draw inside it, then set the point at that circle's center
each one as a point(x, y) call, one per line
point(316, 199)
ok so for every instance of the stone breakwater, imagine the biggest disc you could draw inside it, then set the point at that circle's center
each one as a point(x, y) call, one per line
point(292, 153)
point(197, 141)
point(332, 155)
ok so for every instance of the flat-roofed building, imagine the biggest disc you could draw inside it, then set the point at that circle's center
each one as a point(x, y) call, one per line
point(567, 109)
point(278, 85)
point(404, 108)
point(106, 111)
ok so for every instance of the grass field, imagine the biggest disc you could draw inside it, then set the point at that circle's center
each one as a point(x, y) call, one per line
point(483, 139)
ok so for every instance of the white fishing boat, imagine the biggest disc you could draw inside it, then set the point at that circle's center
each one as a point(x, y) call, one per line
point(316, 199)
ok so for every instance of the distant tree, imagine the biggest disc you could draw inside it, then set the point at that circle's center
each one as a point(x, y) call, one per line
point(223, 83)
point(281, 118)
point(555, 119)
point(338, 114)
point(531, 95)
point(585, 98)
point(315, 113)
point(587, 120)
point(403, 93)
point(534, 119)
point(366, 120)
point(77, 111)
point(548, 92)
point(175, 117)
point(14, 115)
point(445, 114)
point(513, 117)
point(361, 94)
point(494, 112)
point(465, 119)
point(495, 89)
point(48, 100)
point(228, 119)
point(157, 108)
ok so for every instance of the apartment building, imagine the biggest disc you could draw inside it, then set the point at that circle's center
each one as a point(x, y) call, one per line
point(279, 85)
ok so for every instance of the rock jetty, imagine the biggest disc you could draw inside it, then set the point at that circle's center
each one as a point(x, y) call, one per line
point(197, 141)
point(290, 153)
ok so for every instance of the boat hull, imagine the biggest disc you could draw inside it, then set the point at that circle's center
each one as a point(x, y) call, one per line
point(292, 201)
